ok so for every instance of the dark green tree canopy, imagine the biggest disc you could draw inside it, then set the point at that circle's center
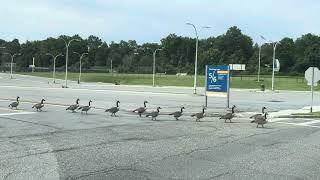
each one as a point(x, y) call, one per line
point(177, 55)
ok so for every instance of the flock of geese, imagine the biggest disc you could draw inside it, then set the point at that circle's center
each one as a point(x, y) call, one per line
point(259, 119)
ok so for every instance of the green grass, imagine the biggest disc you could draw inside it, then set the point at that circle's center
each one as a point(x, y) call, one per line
point(247, 82)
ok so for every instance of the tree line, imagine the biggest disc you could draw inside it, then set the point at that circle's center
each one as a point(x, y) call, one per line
point(177, 54)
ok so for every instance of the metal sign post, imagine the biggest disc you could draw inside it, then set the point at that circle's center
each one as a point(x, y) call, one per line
point(312, 75)
point(228, 88)
point(217, 82)
point(312, 89)
point(205, 88)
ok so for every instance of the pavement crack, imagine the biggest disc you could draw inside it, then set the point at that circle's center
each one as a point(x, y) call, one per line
point(34, 123)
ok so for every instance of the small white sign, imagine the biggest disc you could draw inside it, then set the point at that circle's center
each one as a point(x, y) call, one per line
point(316, 76)
point(277, 65)
point(237, 67)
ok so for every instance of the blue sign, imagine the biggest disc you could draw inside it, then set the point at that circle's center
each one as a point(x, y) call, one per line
point(217, 80)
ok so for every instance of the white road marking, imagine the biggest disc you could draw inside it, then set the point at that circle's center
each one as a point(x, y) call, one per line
point(309, 122)
point(304, 124)
point(20, 113)
point(100, 90)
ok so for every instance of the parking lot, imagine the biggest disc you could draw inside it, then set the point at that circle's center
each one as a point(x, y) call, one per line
point(56, 144)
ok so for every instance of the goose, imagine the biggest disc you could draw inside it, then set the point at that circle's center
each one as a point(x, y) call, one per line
point(114, 110)
point(154, 114)
point(39, 106)
point(15, 104)
point(177, 114)
point(228, 116)
point(260, 114)
point(141, 110)
point(199, 115)
point(85, 108)
point(261, 120)
point(74, 106)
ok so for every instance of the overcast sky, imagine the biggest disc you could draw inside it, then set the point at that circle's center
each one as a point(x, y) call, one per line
point(151, 20)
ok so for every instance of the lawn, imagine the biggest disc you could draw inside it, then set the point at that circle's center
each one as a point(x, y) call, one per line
point(248, 82)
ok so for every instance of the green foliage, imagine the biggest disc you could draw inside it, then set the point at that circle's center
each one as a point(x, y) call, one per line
point(177, 56)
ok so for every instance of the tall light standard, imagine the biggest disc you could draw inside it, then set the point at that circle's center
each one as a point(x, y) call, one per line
point(81, 56)
point(274, 44)
point(12, 57)
point(196, 59)
point(54, 65)
point(67, 57)
point(154, 66)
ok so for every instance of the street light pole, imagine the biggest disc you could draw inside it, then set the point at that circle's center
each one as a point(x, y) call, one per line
point(54, 65)
point(273, 61)
point(154, 66)
point(81, 56)
point(67, 57)
point(12, 57)
point(196, 58)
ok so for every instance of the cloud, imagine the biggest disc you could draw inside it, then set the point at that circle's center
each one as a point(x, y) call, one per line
point(149, 21)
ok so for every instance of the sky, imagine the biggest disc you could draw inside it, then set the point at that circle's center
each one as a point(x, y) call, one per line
point(152, 20)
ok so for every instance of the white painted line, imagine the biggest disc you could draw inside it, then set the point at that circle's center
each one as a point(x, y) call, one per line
point(309, 122)
point(99, 90)
point(298, 124)
point(21, 113)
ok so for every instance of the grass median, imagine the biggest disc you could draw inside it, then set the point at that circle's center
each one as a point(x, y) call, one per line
point(246, 82)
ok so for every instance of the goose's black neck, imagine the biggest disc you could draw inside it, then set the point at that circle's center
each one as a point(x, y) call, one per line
point(89, 103)
point(181, 109)
point(117, 103)
point(232, 109)
point(77, 102)
point(263, 110)
point(203, 110)
point(144, 103)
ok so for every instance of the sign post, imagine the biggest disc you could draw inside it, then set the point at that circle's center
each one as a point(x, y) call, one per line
point(312, 75)
point(217, 82)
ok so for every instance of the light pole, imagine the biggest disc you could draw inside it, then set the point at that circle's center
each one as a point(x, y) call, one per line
point(81, 56)
point(154, 66)
point(196, 59)
point(54, 65)
point(12, 57)
point(274, 44)
point(67, 57)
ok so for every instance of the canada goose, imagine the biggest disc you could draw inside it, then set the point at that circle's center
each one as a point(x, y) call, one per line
point(154, 114)
point(15, 104)
point(177, 114)
point(260, 114)
point(114, 110)
point(39, 105)
point(261, 120)
point(141, 110)
point(228, 116)
point(85, 108)
point(74, 106)
point(199, 115)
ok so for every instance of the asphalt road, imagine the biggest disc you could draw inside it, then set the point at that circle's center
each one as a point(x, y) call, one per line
point(55, 144)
